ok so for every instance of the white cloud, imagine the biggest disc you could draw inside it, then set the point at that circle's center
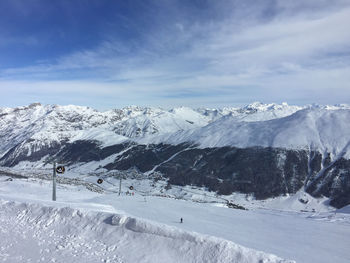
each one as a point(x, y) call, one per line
point(292, 53)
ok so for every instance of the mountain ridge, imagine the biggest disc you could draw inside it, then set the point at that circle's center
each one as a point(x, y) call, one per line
point(37, 121)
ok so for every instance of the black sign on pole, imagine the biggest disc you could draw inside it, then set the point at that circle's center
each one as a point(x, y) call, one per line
point(60, 169)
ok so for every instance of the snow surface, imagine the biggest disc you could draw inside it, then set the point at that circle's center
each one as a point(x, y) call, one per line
point(48, 234)
point(345, 209)
point(45, 231)
point(107, 138)
point(141, 228)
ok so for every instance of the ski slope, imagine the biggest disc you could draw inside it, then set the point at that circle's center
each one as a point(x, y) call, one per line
point(86, 226)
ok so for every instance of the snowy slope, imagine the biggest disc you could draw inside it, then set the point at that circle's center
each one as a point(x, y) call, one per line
point(157, 121)
point(316, 129)
point(345, 210)
point(50, 234)
point(95, 228)
point(45, 124)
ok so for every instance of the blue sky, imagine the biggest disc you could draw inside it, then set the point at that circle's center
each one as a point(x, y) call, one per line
point(109, 54)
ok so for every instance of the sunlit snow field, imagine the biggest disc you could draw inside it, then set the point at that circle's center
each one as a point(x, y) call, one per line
point(276, 226)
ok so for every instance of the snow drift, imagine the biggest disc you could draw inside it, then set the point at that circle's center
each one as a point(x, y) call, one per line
point(51, 234)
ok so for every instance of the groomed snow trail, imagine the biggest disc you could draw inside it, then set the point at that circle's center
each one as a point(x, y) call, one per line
point(36, 233)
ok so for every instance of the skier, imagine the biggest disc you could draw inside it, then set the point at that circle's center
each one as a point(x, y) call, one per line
point(181, 220)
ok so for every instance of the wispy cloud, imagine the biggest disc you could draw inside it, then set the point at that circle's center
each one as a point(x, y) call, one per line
point(273, 51)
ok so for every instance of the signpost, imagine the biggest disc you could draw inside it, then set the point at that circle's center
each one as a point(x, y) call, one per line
point(100, 181)
point(54, 182)
point(59, 170)
point(120, 184)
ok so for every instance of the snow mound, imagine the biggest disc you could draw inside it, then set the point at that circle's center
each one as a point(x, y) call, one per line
point(54, 234)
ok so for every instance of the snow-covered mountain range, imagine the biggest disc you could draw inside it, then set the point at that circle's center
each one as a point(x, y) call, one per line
point(241, 127)
point(54, 123)
point(304, 146)
point(317, 129)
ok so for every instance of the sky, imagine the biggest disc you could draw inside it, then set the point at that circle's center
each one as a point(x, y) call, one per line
point(199, 53)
